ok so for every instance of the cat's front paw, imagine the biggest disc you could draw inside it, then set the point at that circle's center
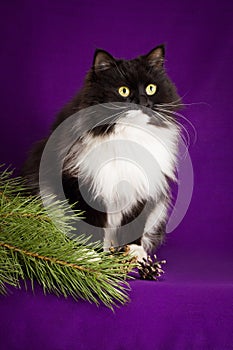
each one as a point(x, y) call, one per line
point(138, 251)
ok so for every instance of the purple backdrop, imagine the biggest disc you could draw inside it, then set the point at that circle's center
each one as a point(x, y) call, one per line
point(46, 49)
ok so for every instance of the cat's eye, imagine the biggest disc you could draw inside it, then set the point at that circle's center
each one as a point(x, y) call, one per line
point(151, 89)
point(124, 91)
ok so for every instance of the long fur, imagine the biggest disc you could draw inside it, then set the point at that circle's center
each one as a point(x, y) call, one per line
point(99, 162)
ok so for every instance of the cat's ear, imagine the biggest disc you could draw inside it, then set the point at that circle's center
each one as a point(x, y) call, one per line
point(156, 56)
point(102, 60)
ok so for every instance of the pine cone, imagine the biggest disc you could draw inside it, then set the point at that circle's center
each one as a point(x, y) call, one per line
point(149, 269)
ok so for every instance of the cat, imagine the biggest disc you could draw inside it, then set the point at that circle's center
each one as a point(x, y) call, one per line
point(147, 122)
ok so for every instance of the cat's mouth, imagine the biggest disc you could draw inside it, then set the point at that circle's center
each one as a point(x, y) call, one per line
point(145, 110)
point(126, 115)
point(152, 115)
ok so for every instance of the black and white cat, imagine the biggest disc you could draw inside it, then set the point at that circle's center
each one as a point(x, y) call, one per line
point(126, 202)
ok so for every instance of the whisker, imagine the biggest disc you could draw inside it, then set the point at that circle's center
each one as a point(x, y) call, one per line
point(183, 117)
point(164, 117)
point(184, 134)
point(118, 116)
point(115, 106)
point(181, 127)
point(107, 118)
point(182, 104)
point(174, 103)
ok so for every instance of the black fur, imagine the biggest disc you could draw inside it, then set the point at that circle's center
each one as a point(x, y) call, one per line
point(101, 85)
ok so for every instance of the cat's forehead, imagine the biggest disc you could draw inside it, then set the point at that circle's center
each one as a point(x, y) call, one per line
point(136, 69)
point(136, 63)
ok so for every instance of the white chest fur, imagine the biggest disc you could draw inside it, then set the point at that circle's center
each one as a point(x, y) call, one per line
point(129, 164)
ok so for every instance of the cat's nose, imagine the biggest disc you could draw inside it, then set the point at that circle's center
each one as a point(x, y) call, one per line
point(143, 100)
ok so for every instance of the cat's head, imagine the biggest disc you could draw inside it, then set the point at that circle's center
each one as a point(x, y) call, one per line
point(142, 81)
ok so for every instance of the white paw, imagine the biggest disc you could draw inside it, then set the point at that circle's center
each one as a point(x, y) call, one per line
point(138, 251)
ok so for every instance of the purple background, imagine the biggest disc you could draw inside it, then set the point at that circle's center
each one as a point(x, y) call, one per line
point(46, 49)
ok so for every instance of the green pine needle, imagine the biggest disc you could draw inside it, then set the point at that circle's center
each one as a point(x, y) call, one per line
point(33, 248)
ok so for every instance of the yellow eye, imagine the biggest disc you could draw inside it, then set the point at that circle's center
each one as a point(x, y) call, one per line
point(151, 89)
point(124, 91)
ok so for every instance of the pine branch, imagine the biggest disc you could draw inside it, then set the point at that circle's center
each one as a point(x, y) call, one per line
point(44, 258)
point(33, 248)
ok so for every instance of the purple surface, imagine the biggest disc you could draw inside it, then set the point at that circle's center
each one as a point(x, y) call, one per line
point(46, 48)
